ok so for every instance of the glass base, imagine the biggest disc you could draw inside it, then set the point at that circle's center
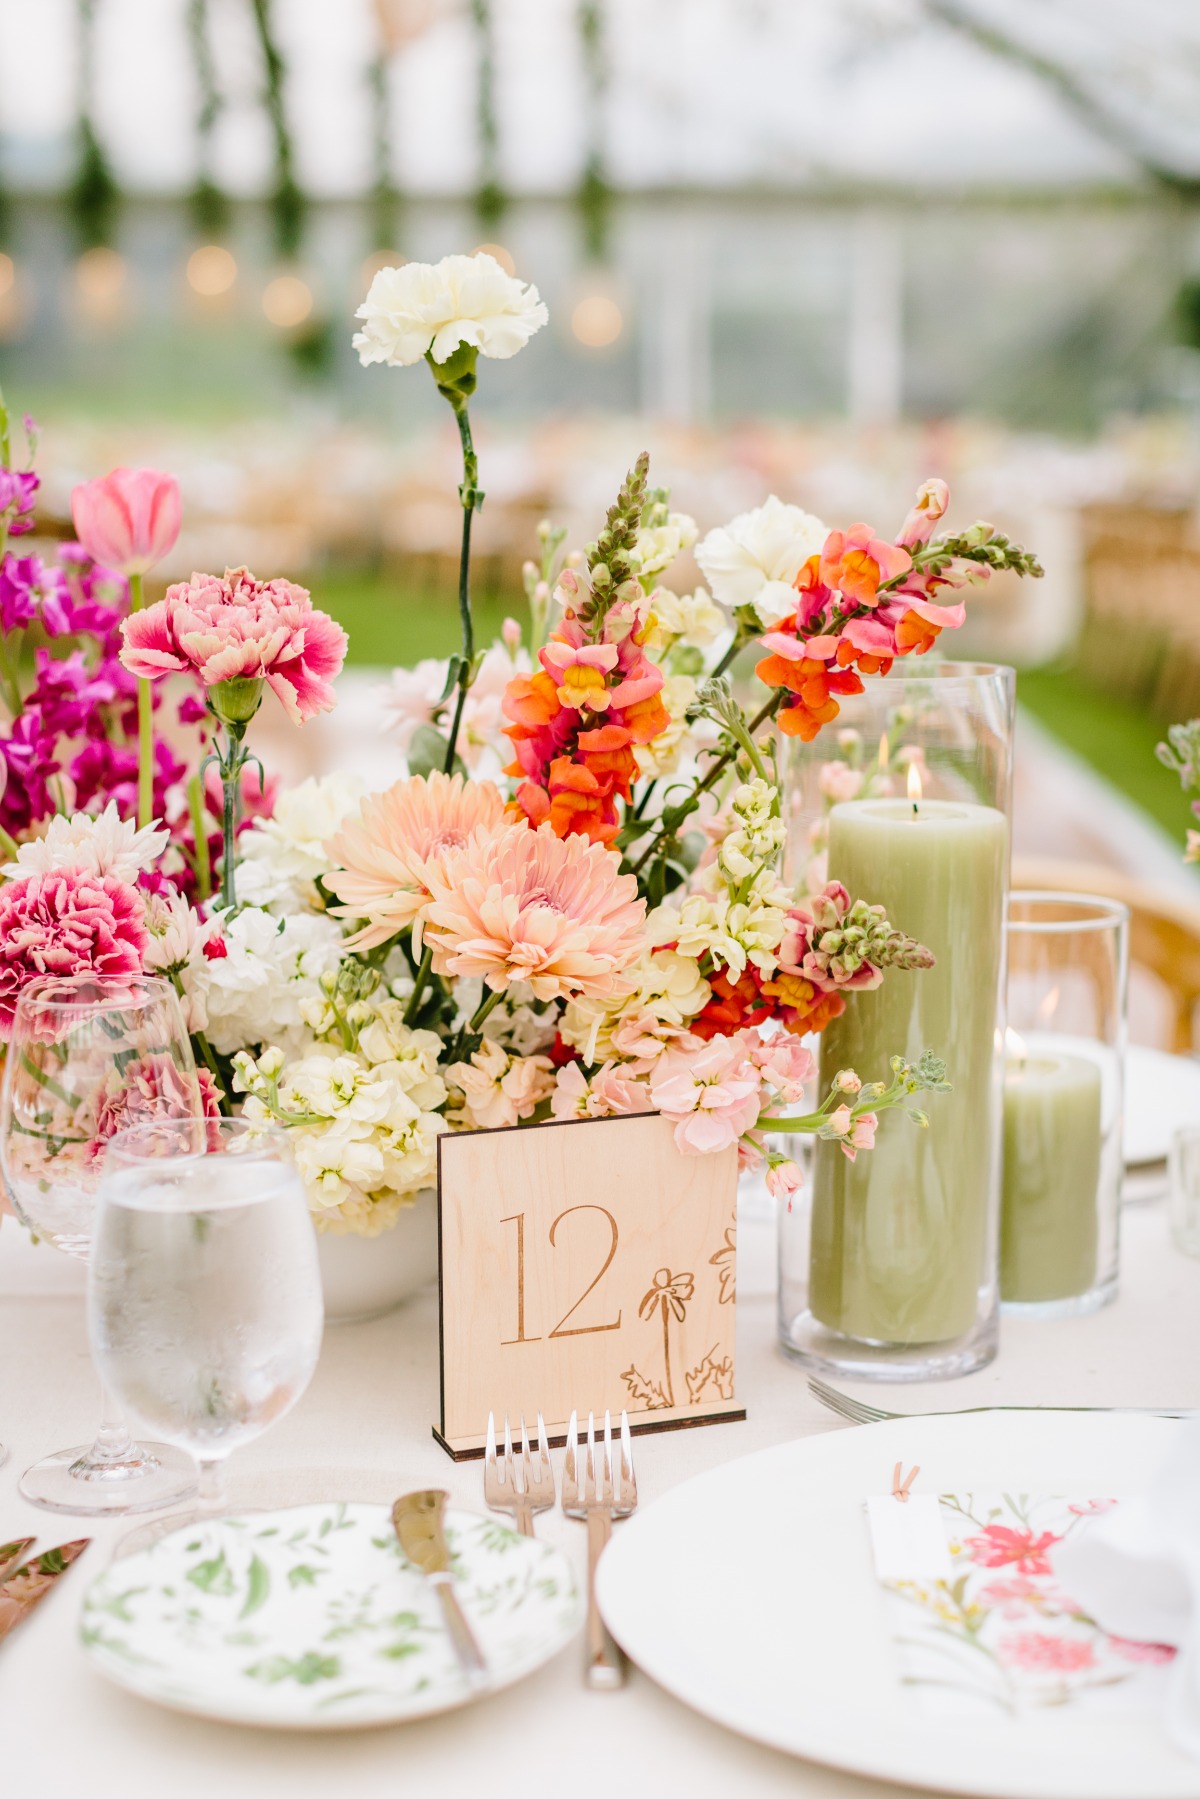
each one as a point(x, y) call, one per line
point(154, 1476)
point(825, 1352)
point(1075, 1305)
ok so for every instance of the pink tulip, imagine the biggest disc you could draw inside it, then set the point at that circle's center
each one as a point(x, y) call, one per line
point(129, 520)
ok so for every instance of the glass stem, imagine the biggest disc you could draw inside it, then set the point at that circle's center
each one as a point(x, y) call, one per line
point(210, 1486)
point(113, 1442)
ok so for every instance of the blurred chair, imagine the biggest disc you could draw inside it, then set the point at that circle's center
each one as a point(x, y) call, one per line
point(1164, 928)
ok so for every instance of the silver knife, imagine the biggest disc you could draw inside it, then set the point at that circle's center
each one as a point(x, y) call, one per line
point(418, 1522)
point(30, 1583)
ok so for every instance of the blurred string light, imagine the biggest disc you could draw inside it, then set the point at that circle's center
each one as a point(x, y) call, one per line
point(101, 284)
point(211, 270)
point(500, 255)
point(378, 259)
point(597, 321)
point(287, 301)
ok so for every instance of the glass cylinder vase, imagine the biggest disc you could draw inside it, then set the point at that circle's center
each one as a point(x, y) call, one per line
point(888, 1263)
point(1068, 969)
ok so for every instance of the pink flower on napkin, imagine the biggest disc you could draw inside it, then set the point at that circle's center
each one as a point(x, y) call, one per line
point(999, 1546)
point(1039, 1653)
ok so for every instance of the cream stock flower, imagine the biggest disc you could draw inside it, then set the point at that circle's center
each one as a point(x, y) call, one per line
point(662, 755)
point(731, 933)
point(496, 1089)
point(430, 308)
point(754, 560)
point(279, 858)
point(658, 545)
point(529, 906)
point(390, 852)
point(669, 991)
point(689, 618)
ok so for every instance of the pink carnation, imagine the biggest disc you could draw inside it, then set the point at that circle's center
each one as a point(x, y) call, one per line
point(67, 922)
point(240, 629)
point(156, 1088)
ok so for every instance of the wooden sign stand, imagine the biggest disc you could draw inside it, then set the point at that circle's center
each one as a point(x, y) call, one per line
point(584, 1265)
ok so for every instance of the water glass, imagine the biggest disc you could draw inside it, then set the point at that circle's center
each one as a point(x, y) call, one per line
point(1068, 964)
point(86, 1057)
point(204, 1292)
point(1183, 1165)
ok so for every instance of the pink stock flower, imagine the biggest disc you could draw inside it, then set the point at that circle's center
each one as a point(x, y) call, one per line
point(930, 505)
point(783, 1179)
point(713, 1093)
point(784, 1063)
point(1039, 1653)
point(838, 781)
point(999, 1546)
point(529, 906)
point(857, 563)
point(237, 630)
point(129, 519)
point(387, 850)
point(611, 1092)
point(67, 922)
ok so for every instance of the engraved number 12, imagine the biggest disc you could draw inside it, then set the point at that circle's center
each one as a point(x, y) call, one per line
point(578, 1330)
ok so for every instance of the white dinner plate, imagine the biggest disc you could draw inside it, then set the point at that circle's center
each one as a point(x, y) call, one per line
point(1162, 1095)
point(750, 1594)
point(312, 1619)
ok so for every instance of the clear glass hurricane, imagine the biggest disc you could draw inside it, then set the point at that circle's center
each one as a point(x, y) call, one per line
point(85, 1057)
point(204, 1291)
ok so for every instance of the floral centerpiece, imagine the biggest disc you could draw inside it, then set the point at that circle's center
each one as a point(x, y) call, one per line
point(572, 905)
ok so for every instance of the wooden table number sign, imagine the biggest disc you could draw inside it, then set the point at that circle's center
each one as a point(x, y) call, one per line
point(584, 1265)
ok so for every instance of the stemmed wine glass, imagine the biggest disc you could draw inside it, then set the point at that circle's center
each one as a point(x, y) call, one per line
point(86, 1056)
point(204, 1292)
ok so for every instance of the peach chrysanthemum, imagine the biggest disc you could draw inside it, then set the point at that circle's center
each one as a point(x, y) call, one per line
point(387, 853)
point(530, 906)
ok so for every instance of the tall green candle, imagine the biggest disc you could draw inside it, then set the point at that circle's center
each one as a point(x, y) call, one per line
point(903, 1239)
point(1049, 1220)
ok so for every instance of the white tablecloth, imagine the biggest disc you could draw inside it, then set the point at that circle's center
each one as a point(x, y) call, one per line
point(362, 1431)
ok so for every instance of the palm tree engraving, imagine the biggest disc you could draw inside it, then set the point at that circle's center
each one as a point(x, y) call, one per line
point(669, 1297)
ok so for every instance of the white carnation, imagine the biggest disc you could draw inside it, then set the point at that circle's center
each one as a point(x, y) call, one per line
point(105, 845)
point(271, 966)
point(754, 560)
point(433, 307)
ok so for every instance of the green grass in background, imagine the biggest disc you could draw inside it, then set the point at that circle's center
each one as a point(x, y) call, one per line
point(1115, 737)
point(393, 620)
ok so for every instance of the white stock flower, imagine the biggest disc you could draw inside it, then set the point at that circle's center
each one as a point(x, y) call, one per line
point(688, 618)
point(280, 857)
point(270, 967)
point(754, 560)
point(732, 934)
point(433, 307)
point(104, 845)
point(657, 546)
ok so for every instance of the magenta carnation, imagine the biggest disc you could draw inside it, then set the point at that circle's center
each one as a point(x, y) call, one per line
point(240, 629)
point(67, 922)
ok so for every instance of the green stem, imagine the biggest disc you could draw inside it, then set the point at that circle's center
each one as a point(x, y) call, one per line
point(145, 712)
point(8, 846)
point(197, 811)
point(484, 1007)
point(471, 499)
point(230, 764)
point(420, 983)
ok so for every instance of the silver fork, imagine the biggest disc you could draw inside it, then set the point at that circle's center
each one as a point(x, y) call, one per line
point(597, 1489)
point(859, 1412)
point(521, 1487)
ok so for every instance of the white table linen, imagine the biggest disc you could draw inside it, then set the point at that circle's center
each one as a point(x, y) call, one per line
point(363, 1431)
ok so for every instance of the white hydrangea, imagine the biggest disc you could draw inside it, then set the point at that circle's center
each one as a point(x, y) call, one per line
point(271, 966)
point(279, 858)
point(104, 845)
point(431, 308)
point(754, 560)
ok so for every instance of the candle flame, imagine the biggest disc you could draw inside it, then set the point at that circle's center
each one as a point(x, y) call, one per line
point(1014, 1045)
point(914, 782)
point(1049, 1005)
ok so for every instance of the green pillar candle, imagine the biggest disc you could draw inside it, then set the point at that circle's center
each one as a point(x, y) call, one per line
point(1049, 1225)
point(903, 1239)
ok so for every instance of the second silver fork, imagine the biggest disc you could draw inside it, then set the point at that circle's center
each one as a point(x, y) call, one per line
point(521, 1485)
point(599, 1487)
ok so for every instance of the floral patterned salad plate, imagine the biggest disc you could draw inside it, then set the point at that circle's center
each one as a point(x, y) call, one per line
point(751, 1594)
point(312, 1619)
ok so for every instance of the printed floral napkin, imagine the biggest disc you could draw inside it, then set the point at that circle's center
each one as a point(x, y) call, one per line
point(1002, 1636)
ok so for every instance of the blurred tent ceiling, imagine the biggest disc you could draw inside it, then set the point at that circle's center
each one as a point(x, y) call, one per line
point(938, 95)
